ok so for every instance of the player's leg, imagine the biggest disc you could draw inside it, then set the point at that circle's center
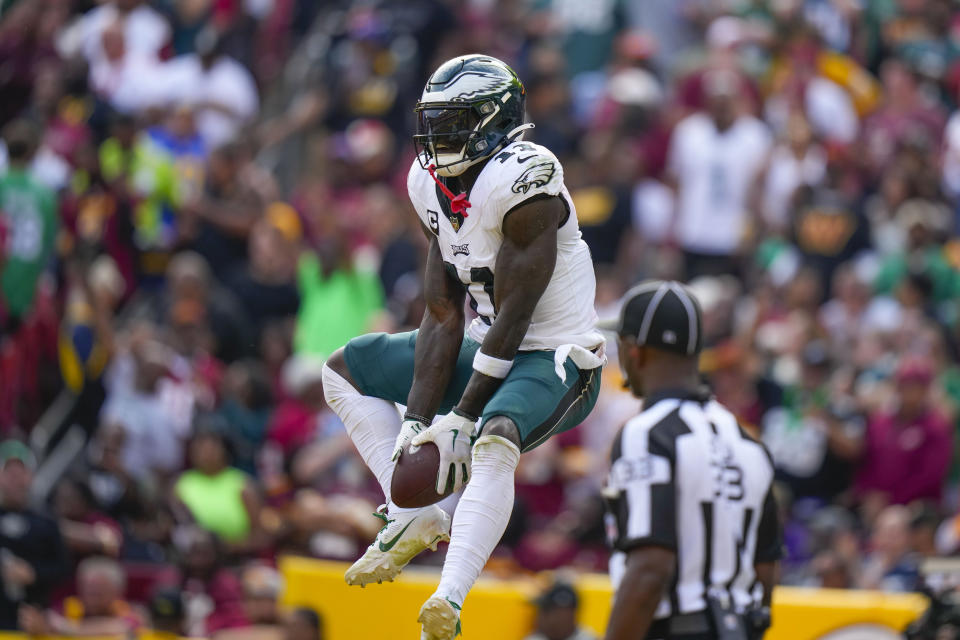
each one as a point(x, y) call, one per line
point(478, 524)
point(362, 383)
point(371, 422)
point(532, 404)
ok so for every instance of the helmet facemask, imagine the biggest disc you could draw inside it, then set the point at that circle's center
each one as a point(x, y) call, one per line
point(449, 134)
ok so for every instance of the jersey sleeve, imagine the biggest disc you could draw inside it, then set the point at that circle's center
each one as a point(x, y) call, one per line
point(642, 479)
point(526, 171)
point(415, 187)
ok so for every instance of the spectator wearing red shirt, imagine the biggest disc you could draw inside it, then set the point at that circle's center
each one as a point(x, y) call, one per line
point(908, 450)
point(213, 595)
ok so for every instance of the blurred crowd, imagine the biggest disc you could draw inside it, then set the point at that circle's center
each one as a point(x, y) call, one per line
point(201, 199)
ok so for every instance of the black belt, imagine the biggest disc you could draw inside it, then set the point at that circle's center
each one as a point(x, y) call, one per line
point(679, 625)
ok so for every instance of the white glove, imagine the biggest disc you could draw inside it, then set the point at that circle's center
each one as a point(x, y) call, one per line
point(408, 430)
point(453, 436)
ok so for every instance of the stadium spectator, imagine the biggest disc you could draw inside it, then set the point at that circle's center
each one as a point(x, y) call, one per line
point(295, 422)
point(797, 160)
point(86, 531)
point(30, 221)
point(121, 73)
point(212, 594)
point(337, 294)
point(143, 28)
point(303, 624)
point(908, 116)
point(219, 89)
point(246, 404)
point(265, 285)
point(166, 613)
point(816, 436)
point(153, 425)
point(908, 449)
point(217, 496)
point(890, 566)
point(261, 589)
point(216, 225)
point(714, 160)
point(557, 615)
point(32, 554)
point(29, 227)
point(98, 610)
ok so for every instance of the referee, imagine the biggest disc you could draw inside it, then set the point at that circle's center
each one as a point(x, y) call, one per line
point(691, 512)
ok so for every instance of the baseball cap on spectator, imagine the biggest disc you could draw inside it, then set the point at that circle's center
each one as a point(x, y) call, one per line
point(16, 450)
point(662, 314)
point(559, 595)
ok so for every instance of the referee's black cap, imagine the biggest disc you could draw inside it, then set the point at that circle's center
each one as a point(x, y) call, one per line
point(662, 314)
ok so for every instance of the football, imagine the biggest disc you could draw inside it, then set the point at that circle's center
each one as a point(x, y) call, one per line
point(415, 477)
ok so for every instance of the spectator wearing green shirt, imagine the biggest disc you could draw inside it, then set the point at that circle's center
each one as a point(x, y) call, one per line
point(338, 300)
point(925, 224)
point(28, 215)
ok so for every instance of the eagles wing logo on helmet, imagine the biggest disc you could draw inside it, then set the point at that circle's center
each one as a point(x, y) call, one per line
point(536, 176)
point(473, 84)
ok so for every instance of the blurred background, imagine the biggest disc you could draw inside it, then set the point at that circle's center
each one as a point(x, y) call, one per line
point(201, 199)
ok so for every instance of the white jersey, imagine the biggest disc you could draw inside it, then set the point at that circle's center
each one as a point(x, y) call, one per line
point(520, 171)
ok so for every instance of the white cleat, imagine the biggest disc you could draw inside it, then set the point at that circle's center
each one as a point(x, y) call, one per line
point(440, 619)
point(398, 542)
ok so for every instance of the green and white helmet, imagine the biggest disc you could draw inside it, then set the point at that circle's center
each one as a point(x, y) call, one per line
point(471, 107)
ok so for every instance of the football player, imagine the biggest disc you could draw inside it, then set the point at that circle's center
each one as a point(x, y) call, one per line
point(503, 233)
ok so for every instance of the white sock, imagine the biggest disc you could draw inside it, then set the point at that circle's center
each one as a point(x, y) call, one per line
point(481, 516)
point(372, 424)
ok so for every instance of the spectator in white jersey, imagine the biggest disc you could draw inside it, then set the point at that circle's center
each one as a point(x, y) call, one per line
point(714, 159)
point(692, 514)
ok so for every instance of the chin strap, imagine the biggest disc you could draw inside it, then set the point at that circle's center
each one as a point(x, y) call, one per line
point(517, 133)
point(459, 202)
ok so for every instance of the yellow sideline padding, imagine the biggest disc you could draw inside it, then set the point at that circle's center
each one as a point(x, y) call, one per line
point(500, 609)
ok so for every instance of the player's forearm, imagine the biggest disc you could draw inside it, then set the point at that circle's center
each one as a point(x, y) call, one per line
point(438, 344)
point(767, 576)
point(635, 605)
point(439, 338)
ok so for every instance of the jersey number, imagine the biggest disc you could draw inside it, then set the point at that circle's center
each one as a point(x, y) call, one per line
point(484, 276)
point(478, 275)
point(517, 148)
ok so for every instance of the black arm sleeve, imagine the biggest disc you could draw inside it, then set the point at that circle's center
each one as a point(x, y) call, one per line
point(769, 534)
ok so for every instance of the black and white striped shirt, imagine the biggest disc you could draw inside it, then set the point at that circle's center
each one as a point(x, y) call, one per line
point(685, 476)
